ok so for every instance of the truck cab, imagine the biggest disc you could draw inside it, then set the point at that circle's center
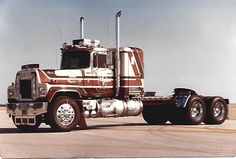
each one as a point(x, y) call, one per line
point(89, 64)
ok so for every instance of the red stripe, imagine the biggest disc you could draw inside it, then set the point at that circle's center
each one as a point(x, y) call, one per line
point(43, 77)
point(137, 82)
point(138, 54)
point(133, 66)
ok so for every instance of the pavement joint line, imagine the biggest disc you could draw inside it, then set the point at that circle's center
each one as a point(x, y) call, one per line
point(166, 129)
point(187, 127)
point(206, 129)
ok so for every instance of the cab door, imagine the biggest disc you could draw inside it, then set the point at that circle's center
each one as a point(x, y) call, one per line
point(103, 73)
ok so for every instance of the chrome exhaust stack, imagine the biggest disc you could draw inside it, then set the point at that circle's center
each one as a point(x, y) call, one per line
point(117, 66)
point(81, 27)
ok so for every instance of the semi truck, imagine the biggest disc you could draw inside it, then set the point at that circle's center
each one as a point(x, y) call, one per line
point(94, 81)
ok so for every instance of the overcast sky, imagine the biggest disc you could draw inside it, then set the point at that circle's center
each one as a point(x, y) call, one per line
point(186, 43)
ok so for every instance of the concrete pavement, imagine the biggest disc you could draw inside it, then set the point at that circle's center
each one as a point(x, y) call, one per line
point(119, 137)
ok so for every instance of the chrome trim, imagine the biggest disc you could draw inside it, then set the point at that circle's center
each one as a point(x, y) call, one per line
point(197, 110)
point(65, 114)
point(219, 110)
point(25, 120)
point(27, 108)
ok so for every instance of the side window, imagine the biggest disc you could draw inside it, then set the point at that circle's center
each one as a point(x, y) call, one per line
point(99, 60)
point(102, 61)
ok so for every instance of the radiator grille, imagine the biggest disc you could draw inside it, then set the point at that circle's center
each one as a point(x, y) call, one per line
point(25, 89)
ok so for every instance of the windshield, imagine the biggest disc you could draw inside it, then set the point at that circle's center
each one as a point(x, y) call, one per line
point(75, 59)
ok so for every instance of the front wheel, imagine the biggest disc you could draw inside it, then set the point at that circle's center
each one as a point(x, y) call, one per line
point(217, 111)
point(64, 114)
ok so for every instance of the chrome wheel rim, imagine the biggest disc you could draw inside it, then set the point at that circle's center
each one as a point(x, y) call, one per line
point(219, 110)
point(197, 110)
point(65, 114)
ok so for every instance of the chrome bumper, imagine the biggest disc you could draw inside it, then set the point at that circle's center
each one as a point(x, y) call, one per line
point(27, 108)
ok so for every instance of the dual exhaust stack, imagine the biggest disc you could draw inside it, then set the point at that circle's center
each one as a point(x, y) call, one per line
point(117, 55)
point(117, 61)
point(81, 27)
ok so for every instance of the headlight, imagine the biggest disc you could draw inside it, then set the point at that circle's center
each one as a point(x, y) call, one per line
point(42, 90)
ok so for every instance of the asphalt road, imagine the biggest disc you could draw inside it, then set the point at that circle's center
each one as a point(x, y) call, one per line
point(119, 137)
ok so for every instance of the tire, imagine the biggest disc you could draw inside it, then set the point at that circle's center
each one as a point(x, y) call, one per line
point(217, 111)
point(29, 128)
point(155, 115)
point(177, 116)
point(64, 114)
point(195, 110)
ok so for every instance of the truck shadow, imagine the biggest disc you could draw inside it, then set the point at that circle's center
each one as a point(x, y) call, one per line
point(49, 130)
point(105, 126)
point(16, 131)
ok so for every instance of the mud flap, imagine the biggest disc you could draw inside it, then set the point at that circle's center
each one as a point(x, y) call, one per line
point(82, 121)
point(182, 96)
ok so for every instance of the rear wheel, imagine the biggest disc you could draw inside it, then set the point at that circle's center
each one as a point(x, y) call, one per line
point(154, 115)
point(64, 114)
point(195, 110)
point(217, 111)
